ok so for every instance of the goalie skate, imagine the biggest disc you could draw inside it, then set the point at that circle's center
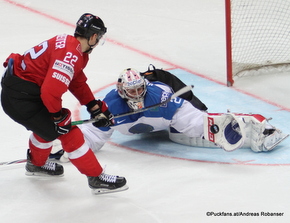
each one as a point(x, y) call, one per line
point(264, 137)
point(272, 138)
point(276, 138)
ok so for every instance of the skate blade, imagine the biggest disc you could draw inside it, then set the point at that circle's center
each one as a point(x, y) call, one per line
point(107, 191)
point(37, 174)
point(278, 142)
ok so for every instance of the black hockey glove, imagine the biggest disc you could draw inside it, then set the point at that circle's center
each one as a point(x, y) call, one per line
point(63, 123)
point(103, 116)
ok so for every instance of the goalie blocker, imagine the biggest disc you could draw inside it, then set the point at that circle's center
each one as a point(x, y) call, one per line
point(232, 131)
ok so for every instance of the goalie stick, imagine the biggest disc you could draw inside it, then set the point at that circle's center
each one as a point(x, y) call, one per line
point(173, 96)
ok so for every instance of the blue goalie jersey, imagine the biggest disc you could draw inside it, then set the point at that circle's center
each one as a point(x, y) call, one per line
point(154, 119)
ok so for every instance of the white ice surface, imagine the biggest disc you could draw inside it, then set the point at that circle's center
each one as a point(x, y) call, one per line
point(186, 34)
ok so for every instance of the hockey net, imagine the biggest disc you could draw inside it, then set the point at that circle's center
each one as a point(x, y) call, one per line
point(258, 37)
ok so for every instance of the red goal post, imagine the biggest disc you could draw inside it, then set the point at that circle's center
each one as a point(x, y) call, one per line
point(257, 36)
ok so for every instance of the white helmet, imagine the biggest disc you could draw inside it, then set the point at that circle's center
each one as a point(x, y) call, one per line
point(132, 87)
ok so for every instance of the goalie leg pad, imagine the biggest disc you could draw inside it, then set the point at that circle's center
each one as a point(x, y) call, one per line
point(183, 139)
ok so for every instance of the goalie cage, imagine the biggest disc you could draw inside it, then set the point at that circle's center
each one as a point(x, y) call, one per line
point(257, 37)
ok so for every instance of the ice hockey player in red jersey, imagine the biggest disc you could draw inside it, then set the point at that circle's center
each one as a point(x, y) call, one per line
point(32, 89)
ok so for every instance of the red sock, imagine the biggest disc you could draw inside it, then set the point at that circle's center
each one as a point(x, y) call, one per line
point(79, 153)
point(88, 164)
point(39, 150)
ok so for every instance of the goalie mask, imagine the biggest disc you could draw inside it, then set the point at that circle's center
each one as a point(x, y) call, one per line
point(132, 87)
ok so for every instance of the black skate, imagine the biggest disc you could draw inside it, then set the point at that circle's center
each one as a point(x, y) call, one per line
point(107, 184)
point(56, 156)
point(48, 169)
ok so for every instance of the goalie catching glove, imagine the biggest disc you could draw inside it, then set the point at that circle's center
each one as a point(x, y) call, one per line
point(103, 116)
point(225, 130)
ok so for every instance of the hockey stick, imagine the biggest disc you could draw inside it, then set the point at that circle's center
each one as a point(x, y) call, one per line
point(13, 162)
point(51, 156)
point(175, 95)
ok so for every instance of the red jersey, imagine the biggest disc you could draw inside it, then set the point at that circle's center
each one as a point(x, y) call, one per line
point(56, 65)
